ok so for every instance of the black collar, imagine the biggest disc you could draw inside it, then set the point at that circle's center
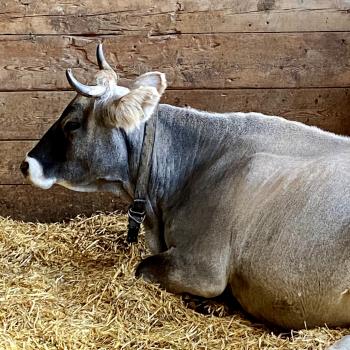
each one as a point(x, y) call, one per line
point(137, 210)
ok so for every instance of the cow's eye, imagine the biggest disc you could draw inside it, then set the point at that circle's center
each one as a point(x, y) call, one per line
point(71, 126)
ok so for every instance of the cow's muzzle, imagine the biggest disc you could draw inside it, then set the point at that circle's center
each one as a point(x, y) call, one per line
point(33, 170)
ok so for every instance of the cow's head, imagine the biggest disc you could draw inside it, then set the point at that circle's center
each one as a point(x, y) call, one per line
point(87, 148)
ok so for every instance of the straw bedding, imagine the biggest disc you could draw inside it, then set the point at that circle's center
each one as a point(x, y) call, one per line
point(72, 286)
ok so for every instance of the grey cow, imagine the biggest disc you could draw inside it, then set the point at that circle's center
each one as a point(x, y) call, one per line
point(251, 202)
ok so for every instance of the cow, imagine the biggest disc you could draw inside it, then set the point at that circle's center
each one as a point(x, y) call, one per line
point(253, 203)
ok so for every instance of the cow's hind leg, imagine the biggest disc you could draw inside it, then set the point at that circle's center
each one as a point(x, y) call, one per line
point(178, 274)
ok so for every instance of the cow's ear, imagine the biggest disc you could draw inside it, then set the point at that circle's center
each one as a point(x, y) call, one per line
point(137, 106)
point(133, 109)
point(152, 79)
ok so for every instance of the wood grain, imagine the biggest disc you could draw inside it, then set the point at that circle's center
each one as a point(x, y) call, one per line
point(27, 115)
point(152, 17)
point(25, 202)
point(329, 109)
point(266, 60)
point(12, 153)
point(283, 57)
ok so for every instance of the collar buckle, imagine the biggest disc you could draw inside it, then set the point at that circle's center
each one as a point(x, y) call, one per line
point(136, 216)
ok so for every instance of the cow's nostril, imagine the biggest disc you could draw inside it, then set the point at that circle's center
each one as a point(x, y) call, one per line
point(24, 168)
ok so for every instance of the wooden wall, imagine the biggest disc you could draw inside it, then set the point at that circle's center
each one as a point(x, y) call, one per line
point(282, 57)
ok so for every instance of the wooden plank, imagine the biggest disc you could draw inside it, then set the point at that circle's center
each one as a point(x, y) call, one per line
point(27, 115)
point(25, 202)
point(154, 17)
point(84, 7)
point(326, 108)
point(190, 61)
point(12, 153)
point(289, 20)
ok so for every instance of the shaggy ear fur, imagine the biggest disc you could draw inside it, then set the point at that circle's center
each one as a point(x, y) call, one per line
point(136, 106)
point(132, 109)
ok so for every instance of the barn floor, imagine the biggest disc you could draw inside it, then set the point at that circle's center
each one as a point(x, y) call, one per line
point(72, 286)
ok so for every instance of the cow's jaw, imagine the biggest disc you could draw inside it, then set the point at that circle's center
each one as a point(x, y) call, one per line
point(100, 185)
point(36, 175)
point(77, 187)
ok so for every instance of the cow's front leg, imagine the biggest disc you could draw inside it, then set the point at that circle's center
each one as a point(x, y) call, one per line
point(179, 274)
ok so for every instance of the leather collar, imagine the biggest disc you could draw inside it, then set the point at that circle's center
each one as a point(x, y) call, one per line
point(137, 210)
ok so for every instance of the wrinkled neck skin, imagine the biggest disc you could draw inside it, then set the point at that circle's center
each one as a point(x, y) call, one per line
point(197, 149)
point(133, 144)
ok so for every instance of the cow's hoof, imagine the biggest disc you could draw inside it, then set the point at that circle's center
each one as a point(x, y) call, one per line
point(342, 344)
point(155, 269)
point(143, 271)
point(151, 269)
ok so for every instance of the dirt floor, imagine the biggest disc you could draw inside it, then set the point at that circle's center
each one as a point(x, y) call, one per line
point(72, 286)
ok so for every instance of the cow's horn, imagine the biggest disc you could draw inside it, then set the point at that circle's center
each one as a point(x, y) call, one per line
point(86, 90)
point(102, 63)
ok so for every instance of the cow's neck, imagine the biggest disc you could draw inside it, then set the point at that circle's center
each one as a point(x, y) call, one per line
point(134, 143)
point(190, 143)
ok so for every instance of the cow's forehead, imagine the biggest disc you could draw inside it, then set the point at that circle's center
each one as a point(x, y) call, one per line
point(76, 107)
point(80, 102)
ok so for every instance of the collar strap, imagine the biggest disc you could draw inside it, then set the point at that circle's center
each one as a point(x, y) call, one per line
point(137, 210)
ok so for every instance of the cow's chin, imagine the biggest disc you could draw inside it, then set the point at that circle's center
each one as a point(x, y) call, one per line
point(36, 175)
point(95, 186)
point(99, 185)
point(76, 187)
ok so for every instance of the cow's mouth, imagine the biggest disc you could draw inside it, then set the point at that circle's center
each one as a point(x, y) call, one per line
point(33, 170)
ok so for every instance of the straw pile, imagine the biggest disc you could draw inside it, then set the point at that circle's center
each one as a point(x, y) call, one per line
point(72, 286)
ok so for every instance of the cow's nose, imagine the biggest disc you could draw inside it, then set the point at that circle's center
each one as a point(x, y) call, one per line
point(24, 168)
